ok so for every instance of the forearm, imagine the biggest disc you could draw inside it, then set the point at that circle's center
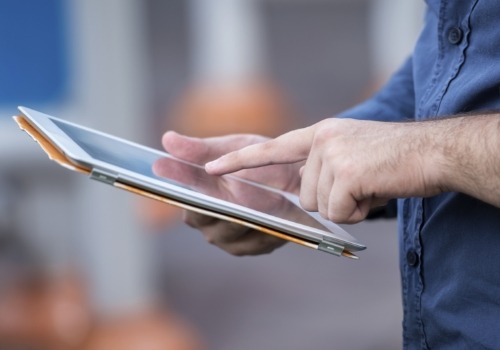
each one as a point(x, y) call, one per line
point(466, 155)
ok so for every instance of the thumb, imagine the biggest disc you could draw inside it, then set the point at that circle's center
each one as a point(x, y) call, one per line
point(203, 150)
point(188, 148)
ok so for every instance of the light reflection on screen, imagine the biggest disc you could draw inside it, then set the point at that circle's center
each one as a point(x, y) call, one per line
point(150, 164)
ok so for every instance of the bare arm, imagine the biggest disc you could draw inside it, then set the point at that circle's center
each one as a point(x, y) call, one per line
point(469, 156)
point(353, 166)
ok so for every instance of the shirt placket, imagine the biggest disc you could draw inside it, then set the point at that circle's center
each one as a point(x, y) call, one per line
point(411, 257)
point(452, 33)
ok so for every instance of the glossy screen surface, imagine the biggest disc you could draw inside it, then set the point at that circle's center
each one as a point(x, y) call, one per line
point(146, 161)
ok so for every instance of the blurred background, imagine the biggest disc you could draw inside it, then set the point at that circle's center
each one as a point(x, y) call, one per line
point(85, 266)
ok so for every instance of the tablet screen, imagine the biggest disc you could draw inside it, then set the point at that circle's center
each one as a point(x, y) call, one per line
point(174, 171)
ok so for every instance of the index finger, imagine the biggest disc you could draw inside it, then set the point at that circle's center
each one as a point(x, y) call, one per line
point(291, 147)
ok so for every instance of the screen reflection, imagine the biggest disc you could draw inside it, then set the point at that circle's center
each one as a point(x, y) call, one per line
point(233, 190)
point(151, 163)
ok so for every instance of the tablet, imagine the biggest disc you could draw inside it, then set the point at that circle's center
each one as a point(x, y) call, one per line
point(131, 166)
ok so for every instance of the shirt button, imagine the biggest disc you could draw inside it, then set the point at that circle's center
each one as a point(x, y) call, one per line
point(412, 258)
point(455, 35)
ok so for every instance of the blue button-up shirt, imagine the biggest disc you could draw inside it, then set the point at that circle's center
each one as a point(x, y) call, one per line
point(449, 244)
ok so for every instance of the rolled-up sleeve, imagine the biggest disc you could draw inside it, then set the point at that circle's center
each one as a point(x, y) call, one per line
point(394, 102)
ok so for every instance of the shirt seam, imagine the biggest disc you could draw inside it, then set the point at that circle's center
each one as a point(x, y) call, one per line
point(460, 63)
point(437, 65)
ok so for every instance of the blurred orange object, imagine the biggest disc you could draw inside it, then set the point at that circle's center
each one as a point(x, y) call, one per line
point(45, 313)
point(53, 314)
point(149, 331)
point(256, 106)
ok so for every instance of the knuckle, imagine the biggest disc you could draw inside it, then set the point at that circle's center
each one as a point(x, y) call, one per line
point(268, 147)
point(213, 236)
point(345, 218)
point(347, 171)
point(307, 204)
point(336, 213)
point(332, 215)
point(331, 127)
point(259, 244)
point(211, 239)
point(237, 251)
point(354, 219)
point(324, 214)
point(190, 220)
point(196, 220)
point(323, 135)
point(254, 139)
point(224, 233)
point(337, 218)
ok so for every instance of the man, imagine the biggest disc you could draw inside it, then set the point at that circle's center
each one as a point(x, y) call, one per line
point(430, 137)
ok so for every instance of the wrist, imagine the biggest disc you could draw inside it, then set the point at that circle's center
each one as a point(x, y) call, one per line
point(431, 152)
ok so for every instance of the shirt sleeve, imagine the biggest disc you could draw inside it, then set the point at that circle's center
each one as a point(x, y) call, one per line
point(394, 102)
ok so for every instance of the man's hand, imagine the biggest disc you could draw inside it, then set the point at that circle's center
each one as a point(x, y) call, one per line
point(235, 239)
point(351, 166)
